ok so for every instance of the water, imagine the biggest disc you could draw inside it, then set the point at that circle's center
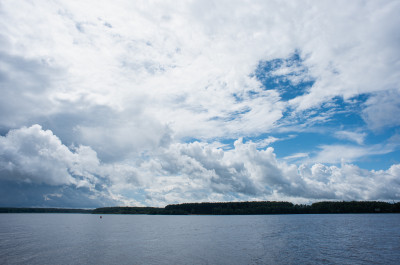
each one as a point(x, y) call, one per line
point(146, 239)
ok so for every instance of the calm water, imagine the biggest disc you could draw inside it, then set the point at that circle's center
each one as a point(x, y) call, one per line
point(146, 239)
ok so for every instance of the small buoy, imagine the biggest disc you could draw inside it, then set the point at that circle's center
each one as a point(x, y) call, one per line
point(101, 216)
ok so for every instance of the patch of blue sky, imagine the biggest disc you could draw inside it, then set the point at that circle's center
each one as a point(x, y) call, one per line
point(379, 162)
point(292, 143)
point(238, 98)
point(385, 136)
point(335, 114)
point(228, 142)
point(345, 113)
point(288, 76)
point(249, 94)
point(188, 140)
point(306, 137)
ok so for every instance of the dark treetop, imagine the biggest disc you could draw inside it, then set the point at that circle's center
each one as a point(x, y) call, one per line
point(225, 208)
point(264, 207)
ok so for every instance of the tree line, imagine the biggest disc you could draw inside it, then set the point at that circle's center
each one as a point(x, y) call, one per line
point(233, 208)
point(259, 207)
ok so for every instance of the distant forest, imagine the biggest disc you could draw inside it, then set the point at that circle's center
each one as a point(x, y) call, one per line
point(264, 207)
point(234, 208)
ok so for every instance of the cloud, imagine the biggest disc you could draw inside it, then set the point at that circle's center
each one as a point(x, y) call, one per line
point(201, 83)
point(122, 88)
point(116, 136)
point(198, 172)
point(296, 156)
point(24, 85)
point(348, 61)
point(267, 141)
point(349, 182)
point(351, 136)
point(36, 159)
point(37, 167)
point(337, 153)
point(38, 156)
point(381, 110)
point(41, 195)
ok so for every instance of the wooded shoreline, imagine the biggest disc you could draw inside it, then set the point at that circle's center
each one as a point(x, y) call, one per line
point(232, 208)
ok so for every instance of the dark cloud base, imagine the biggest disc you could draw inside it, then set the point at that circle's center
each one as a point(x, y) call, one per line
point(14, 194)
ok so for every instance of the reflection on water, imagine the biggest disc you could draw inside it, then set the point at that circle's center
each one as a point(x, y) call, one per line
point(146, 239)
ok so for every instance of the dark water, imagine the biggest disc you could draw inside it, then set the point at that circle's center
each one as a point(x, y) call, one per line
point(146, 239)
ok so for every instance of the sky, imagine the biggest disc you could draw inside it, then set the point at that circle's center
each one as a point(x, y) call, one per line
point(149, 103)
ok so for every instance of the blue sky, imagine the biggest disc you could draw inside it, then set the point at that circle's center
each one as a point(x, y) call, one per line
point(138, 103)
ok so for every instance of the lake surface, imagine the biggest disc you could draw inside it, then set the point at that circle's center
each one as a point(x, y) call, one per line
point(198, 239)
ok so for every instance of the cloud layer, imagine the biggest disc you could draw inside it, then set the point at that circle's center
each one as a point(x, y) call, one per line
point(155, 102)
point(181, 172)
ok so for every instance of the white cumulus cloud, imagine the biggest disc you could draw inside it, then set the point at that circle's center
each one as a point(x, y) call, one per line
point(31, 155)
